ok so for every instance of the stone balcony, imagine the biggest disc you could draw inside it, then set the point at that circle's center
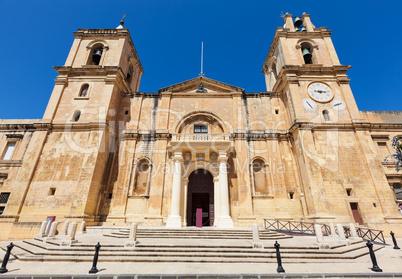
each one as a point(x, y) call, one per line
point(200, 141)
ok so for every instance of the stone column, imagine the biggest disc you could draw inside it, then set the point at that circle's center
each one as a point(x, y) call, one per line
point(185, 182)
point(65, 228)
point(353, 232)
point(257, 244)
point(224, 221)
point(70, 237)
point(42, 230)
point(132, 239)
point(82, 228)
point(52, 232)
point(216, 200)
point(320, 238)
point(333, 232)
point(341, 234)
point(174, 219)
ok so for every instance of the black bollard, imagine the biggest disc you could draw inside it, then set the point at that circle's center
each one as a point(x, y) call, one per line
point(3, 268)
point(394, 241)
point(278, 258)
point(94, 269)
point(373, 259)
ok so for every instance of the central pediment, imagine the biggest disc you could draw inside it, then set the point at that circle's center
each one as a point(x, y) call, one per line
point(201, 85)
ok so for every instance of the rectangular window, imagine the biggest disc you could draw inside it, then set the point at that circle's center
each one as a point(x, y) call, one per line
point(4, 197)
point(200, 129)
point(9, 151)
point(2, 209)
point(383, 148)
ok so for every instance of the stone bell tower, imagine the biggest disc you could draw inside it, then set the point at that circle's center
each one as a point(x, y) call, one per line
point(303, 65)
point(87, 109)
point(325, 125)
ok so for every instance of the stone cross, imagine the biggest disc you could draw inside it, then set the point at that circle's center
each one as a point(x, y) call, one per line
point(42, 229)
point(65, 228)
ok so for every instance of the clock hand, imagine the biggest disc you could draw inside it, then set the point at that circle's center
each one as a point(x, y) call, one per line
point(309, 105)
point(338, 104)
point(319, 91)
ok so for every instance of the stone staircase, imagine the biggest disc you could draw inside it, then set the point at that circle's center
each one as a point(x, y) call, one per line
point(194, 233)
point(188, 246)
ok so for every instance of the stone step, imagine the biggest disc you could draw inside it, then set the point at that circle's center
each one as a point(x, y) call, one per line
point(35, 248)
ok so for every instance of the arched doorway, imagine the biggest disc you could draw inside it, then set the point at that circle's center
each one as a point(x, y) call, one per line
point(200, 195)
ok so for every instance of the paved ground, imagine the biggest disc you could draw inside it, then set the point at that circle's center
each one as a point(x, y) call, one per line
point(389, 260)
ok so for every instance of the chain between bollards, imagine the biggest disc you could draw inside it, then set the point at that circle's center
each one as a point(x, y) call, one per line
point(94, 269)
point(394, 241)
point(373, 259)
point(278, 258)
point(3, 268)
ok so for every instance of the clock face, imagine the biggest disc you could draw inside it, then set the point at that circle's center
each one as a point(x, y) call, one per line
point(320, 92)
point(338, 104)
point(309, 104)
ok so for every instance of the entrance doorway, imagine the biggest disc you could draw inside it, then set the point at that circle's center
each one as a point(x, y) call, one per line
point(200, 195)
point(355, 212)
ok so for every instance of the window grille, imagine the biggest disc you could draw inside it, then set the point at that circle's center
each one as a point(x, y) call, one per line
point(200, 129)
point(4, 197)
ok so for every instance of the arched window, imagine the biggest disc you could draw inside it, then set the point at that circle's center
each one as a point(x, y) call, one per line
point(307, 51)
point(76, 116)
point(95, 55)
point(141, 180)
point(259, 169)
point(273, 68)
point(129, 73)
point(325, 113)
point(84, 90)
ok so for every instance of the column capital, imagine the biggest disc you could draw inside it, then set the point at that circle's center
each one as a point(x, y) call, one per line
point(178, 156)
point(223, 156)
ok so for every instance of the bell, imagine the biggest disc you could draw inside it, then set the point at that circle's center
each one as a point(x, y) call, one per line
point(97, 56)
point(303, 29)
point(306, 54)
point(298, 22)
point(297, 29)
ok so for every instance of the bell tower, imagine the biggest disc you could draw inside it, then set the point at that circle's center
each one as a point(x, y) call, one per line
point(87, 110)
point(324, 124)
point(303, 66)
point(102, 65)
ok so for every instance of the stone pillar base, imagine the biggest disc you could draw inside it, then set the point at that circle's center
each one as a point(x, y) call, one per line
point(323, 245)
point(40, 235)
point(46, 239)
point(67, 243)
point(130, 244)
point(173, 222)
point(258, 245)
point(224, 222)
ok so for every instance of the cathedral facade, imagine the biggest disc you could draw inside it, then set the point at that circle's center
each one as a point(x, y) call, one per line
point(108, 154)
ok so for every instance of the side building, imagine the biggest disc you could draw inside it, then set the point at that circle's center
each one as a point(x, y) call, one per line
point(108, 154)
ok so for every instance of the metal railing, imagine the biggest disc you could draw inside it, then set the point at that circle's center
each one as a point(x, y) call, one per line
point(292, 227)
point(200, 137)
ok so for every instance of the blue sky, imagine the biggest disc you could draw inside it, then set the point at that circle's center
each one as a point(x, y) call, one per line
point(37, 35)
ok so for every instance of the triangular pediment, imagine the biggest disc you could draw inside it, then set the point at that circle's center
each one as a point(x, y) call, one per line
point(209, 85)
